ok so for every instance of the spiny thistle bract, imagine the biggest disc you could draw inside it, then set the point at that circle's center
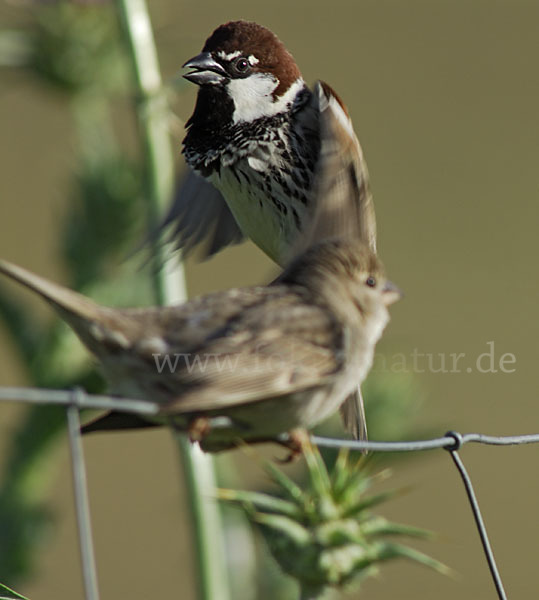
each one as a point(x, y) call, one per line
point(325, 535)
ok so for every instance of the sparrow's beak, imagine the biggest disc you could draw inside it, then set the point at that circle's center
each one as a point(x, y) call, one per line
point(207, 71)
point(390, 293)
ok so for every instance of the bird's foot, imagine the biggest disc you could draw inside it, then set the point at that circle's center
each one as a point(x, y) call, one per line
point(198, 429)
point(297, 440)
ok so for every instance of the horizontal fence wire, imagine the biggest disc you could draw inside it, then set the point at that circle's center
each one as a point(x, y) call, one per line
point(447, 441)
point(76, 400)
point(80, 399)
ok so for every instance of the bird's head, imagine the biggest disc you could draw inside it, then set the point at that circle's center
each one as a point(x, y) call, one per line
point(346, 275)
point(249, 66)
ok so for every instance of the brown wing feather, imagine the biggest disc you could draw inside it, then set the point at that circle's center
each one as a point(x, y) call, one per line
point(275, 351)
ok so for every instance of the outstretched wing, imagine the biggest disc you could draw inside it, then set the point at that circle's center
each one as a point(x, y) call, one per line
point(343, 205)
point(199, 213)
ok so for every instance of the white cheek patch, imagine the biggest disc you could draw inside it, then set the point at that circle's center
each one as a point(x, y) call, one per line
point(252, 96)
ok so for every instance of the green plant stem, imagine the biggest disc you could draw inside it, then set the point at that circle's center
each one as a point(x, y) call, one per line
point(154, 119)
point(169, 286)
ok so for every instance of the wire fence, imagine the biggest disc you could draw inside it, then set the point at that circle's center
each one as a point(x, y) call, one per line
point(76, 400)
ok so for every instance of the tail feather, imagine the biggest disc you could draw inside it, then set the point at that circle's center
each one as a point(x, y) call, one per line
point(116, 421)
point(61, 298)
point(353, 415)
point(97, 326)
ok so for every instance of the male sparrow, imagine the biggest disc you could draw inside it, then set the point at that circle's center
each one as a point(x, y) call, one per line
point(253, 144)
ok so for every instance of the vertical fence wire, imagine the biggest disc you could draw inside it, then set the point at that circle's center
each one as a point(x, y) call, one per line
point(482, 530)
point(82, 505)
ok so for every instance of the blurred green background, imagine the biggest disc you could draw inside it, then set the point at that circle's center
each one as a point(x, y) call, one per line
point(444, 95)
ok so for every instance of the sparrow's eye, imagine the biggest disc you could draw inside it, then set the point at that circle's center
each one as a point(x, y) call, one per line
point(371, 281)
point(241, 65)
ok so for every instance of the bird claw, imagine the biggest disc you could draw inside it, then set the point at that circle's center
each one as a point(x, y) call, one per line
point(198, 429)
point(296, 442)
